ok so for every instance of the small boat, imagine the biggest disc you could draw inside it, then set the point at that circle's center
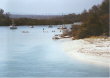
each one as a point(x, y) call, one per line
point(63, 24)
point(25, 31)
point(50, 26)
point(62, 27)
point(13, 25)
point(66, 36)
point(56, 37)
point(31, 26)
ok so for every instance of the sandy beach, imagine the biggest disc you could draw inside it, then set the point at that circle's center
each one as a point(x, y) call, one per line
point(93, 50)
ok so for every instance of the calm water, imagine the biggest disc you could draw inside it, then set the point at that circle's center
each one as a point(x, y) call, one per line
point(35, 54)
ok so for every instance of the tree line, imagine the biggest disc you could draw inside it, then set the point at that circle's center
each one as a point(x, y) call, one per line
point(4, 18)
point(95, 22)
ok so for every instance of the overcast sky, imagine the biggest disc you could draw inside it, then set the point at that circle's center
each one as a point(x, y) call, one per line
point(47, 7)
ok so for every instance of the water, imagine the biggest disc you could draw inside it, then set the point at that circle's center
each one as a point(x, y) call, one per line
point(35, 54)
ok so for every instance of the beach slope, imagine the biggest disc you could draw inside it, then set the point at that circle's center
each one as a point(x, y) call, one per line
point(94, 50)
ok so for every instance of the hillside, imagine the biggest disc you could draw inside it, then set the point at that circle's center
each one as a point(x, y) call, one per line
point(34, 16)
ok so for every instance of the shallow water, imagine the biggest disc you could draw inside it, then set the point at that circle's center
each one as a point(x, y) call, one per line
point(35, 54)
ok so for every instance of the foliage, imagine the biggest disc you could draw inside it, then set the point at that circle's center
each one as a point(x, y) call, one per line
point(95, 23)
point(4, 18)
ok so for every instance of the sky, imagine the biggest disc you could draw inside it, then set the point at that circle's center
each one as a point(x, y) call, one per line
point(47, 7)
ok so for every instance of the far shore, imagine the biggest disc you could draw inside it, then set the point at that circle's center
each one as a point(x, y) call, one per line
point(93, 50)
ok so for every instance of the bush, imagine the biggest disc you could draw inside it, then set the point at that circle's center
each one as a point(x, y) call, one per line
point(96, 22)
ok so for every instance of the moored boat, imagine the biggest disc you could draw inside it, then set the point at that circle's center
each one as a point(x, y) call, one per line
point(62, 27)
point(31, 26)
point(13, 25)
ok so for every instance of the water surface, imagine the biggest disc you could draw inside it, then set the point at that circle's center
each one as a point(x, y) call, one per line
point(35, 54)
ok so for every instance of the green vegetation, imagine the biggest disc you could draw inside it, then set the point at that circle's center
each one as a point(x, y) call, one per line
point(52, 21)
point(4, 18)
point(95, 22)
point(28, 21)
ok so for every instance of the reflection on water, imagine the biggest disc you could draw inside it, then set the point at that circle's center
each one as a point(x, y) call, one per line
point(35, 54)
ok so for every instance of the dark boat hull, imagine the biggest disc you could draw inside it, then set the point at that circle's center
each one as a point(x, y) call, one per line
point(13, 27)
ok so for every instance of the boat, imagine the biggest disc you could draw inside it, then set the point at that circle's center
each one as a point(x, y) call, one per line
point(13, 25)
point(62, 27)
point(50, 26)
point(25, 31)
point(63, 24)
point(66, 36)
point(56, 37)
point(31, 26)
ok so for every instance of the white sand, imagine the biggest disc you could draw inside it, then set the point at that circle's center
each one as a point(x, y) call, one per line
point(94, 50)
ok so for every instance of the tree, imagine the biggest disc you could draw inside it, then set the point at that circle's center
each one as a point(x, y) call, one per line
point(4, 18)
point(96, 21)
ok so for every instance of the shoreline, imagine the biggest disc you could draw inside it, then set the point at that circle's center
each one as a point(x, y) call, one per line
point(92, 50)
